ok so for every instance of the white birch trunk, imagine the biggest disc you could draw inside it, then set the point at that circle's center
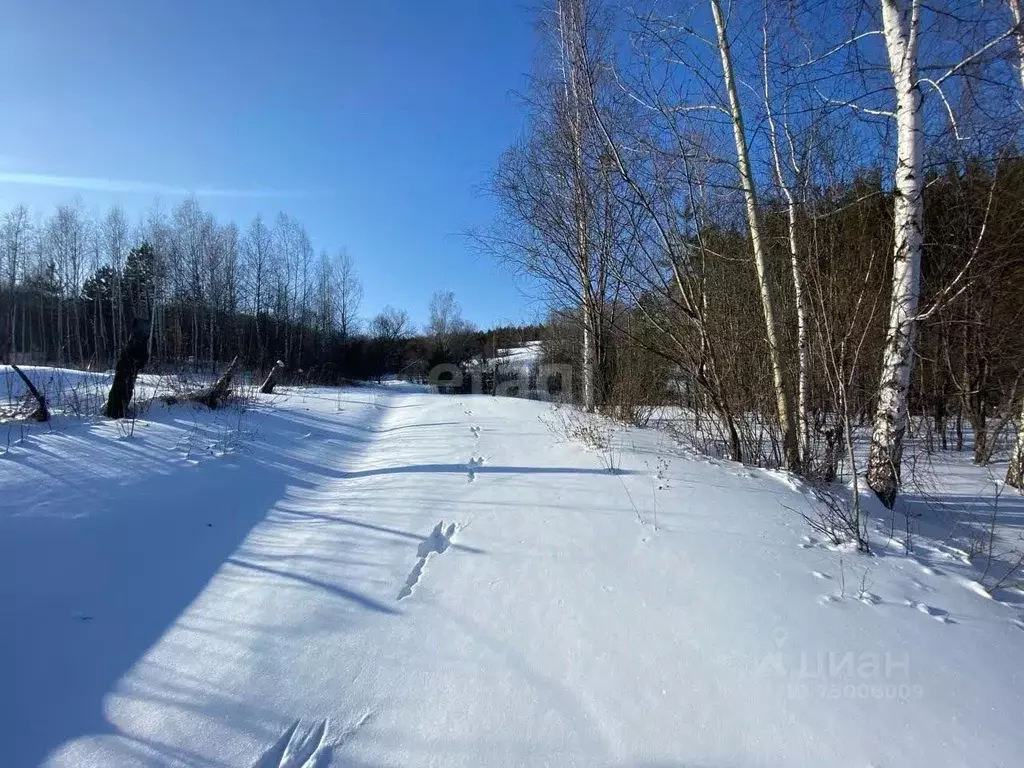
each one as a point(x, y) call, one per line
point(1018, 20)
point(802, 344)
point(1015, 472)
point(785, 413)
point(570, 26)
point(588, 368)
point(900, 25)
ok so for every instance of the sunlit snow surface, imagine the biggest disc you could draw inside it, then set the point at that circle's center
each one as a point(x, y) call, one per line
point(389, 577)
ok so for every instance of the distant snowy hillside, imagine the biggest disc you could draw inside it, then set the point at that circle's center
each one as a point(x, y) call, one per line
point(513, 358)
point(521, 357)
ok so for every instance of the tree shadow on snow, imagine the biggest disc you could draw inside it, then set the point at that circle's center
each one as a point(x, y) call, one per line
point(94, 572)
point(483, 469)
point(952, 533)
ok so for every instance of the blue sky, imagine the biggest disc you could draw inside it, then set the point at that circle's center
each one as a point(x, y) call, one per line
point(374, 123)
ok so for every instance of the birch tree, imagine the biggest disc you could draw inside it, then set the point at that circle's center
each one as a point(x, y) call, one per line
point(257, 249)
point(901, 28)
point(116, 244)
point(902, 31)
point(1018, 24)
point(445, 318)
point(349, 292)
point(572, 110)
point(768, 299)
point(14, 236)
point(1015, 471)
point(803, 360)
point(562, 222)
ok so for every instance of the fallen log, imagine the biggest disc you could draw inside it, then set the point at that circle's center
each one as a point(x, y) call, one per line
point(41, 413)
point(220, 390)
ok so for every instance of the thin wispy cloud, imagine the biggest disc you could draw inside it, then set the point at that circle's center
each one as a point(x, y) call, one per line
point(94, 184)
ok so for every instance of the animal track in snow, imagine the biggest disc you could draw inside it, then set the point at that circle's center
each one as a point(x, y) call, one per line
point(921, 586)
point(936, 613)
point(438, 541)
point(353, 729)
point(820, 575)
point(471, 466)
point(475, 430)
point(297, 747)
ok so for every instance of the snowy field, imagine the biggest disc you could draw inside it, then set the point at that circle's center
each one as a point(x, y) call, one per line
point(389, 577)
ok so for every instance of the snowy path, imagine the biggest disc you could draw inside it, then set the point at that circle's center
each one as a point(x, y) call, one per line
point(428, 580)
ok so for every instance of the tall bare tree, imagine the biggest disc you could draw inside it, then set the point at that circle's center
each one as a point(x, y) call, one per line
point(349, 293)
point(769, 301)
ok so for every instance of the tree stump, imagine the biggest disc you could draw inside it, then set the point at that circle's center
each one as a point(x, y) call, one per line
point(131, 361)
point(271, 380)
point(220, 390)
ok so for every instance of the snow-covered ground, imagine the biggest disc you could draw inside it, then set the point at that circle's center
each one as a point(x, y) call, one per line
point(442, 580)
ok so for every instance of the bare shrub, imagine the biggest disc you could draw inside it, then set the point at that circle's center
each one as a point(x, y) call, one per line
point(593, 431)
point(833, 515)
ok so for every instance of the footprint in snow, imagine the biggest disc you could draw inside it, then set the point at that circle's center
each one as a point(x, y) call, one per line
point(438, 541)
point(298, 747)
point(353, 729)
point(928, 610)
point(471, 466)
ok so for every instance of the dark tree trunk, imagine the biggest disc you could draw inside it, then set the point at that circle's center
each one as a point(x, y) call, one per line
point(833, 438)
point(940, 419)
point(132, 360)
point(960, 426)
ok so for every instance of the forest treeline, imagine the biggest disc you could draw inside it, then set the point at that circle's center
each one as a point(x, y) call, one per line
point(806, 217)
point(71, 286)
